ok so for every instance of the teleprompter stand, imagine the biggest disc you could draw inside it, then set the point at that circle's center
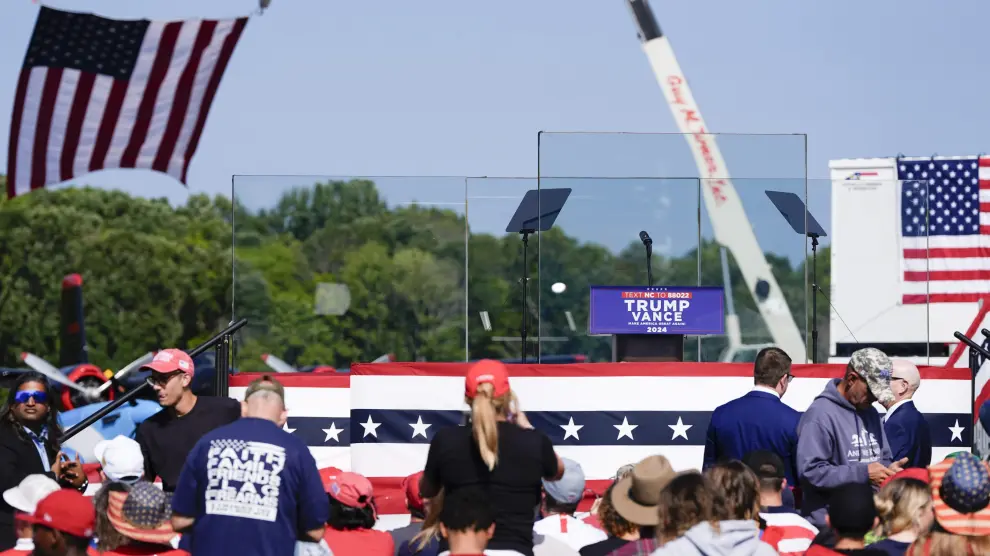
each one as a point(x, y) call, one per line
point(793, 209)
point(536, 212)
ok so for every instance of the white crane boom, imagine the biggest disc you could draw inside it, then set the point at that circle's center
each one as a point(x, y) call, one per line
point(730, 225)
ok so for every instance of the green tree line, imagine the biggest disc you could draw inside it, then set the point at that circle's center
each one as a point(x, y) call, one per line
point(157, 275)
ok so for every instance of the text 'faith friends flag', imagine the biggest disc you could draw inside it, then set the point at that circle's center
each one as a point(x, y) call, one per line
point(945, 229)
point(97, 93)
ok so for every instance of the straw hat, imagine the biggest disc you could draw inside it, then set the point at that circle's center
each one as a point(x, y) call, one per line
point(142, 514)
point(961, 495)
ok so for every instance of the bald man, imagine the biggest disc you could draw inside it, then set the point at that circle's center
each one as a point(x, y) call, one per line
point(906, 428)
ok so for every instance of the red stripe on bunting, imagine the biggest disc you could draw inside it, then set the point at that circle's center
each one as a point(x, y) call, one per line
point(627, 369)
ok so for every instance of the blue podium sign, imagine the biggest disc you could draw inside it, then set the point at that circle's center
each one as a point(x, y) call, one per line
point(689, 310)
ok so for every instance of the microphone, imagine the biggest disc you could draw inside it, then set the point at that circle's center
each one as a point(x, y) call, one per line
point(648, 242)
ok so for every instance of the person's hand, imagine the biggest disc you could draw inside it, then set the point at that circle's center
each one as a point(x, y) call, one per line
point(898, 465)
point(595, 505)
point(879, 472)
point(522, 421)
point(60, 459)
point(71, 471)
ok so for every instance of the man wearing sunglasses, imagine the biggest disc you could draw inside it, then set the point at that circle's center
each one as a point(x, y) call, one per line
point(906, 427)
point(841, 438)
point(167, 437)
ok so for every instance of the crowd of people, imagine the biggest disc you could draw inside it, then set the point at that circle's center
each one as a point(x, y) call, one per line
point(839, 479)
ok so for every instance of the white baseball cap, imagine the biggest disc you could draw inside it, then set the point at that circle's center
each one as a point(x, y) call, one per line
point(33, 489)
point(121, 459)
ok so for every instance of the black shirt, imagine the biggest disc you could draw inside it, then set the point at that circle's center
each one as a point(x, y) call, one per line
point(605, 547)
point(525, 457)
point(167, 439)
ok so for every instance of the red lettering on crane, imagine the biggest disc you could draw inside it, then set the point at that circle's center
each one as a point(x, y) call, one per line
point(675, 88)
point(691, 119)
point(690, 115)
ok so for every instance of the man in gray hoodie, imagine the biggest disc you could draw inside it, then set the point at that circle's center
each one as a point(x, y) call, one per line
point(841, 438)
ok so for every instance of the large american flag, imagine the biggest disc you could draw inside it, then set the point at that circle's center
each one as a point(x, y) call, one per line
point(97, 93)
point(945, 229)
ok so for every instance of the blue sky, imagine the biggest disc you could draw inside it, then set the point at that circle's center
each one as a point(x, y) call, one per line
point(455, 88)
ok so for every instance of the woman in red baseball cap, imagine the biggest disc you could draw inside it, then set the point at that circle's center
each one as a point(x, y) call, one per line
point(499, 450)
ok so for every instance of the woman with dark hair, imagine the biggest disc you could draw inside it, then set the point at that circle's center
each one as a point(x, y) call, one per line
point(352, 518)
point(714, 513)
point(30, 438)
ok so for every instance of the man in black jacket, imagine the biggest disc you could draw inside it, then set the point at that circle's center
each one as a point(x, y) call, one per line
point(167, 437)
point(30, 437)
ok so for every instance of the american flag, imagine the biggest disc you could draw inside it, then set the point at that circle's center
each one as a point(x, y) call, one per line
point(97, 93)
point(945, 229)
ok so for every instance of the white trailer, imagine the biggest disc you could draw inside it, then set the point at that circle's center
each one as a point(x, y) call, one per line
point(867, 273)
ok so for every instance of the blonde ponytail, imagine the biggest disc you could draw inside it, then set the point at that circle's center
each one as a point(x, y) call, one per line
point(485, 425)
point(431, 524)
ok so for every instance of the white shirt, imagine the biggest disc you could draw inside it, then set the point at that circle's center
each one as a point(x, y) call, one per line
point(24, 544)
point(574, 532)
point(892, 408)
point(766, 390)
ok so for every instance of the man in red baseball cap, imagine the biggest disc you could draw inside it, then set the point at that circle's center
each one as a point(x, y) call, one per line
point(167, 437)
point(63, 524)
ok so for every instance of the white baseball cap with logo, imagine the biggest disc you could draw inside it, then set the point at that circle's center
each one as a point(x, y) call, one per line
point(31, 490)
point(121, 459)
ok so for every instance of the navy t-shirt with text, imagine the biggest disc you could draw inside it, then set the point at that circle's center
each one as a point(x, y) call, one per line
point(252, 488)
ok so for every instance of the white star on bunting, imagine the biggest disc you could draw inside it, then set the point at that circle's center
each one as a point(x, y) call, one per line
point(333, 432)
point(286, 428)
point(570, 429)
point(419, 427)
point(680, 429)
point(371, 428)
point(956, 431)
point(625, 429)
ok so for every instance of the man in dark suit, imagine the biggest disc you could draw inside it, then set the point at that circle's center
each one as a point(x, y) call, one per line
point(906, 428)
point(759, 420)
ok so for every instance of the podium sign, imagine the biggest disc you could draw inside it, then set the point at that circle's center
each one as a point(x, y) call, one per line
point(681, 310)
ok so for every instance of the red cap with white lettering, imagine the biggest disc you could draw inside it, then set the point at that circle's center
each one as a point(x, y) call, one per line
point(171, 360)
point(487, 371)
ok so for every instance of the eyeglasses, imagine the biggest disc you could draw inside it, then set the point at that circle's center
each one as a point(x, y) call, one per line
point(24, 395)
point(161, 380)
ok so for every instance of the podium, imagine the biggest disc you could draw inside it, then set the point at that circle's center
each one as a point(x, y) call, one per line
point(648, 324)
point(642, 348)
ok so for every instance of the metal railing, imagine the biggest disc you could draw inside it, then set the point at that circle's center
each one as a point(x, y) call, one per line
point(977, 354)
point(222, 341)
